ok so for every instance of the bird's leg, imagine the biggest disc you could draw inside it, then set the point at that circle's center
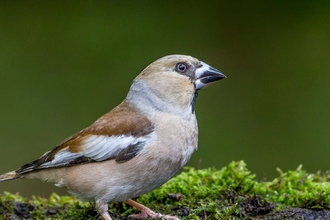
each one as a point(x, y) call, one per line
point(146, 212)
point(102, 209)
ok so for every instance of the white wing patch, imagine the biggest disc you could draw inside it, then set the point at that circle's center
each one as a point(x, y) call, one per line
point(96, 148)
point(103, 147)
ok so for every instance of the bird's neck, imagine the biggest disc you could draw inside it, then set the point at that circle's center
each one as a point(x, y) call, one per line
point(148, 101)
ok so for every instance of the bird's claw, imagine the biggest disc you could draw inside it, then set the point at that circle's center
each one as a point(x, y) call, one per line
point(147, 213)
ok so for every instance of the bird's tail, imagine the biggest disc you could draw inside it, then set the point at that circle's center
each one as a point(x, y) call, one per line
point(9, 176)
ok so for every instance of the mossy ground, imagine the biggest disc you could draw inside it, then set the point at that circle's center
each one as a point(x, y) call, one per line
point(230, 193)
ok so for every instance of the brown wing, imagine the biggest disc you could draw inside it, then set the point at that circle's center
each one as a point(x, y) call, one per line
point(119, 134)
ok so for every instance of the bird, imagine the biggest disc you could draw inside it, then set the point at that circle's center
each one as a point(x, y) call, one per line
point(137, 146)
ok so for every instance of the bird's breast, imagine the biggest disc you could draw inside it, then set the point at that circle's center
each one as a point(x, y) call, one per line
point(175, 139)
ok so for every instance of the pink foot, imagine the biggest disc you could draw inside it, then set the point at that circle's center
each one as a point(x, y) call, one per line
point(146, 212)
point(150, 214)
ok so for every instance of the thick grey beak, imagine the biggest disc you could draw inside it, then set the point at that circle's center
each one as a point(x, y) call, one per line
point(206, 75)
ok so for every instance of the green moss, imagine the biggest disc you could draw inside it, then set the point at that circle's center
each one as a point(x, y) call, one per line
point(298, 189)
point(228, 193)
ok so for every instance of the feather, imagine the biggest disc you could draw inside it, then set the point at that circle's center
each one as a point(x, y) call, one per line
point(121, 130)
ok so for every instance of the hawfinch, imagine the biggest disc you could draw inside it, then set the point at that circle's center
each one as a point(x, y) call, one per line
point(137, 146)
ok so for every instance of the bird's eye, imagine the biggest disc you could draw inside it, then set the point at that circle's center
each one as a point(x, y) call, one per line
point(181, 67)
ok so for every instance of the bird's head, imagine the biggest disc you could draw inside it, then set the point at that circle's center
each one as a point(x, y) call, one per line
point(171, 83)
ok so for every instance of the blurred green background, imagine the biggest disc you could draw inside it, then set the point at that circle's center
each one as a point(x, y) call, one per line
point(64, 63)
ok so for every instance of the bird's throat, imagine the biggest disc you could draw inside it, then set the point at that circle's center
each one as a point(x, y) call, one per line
point(193, 100)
